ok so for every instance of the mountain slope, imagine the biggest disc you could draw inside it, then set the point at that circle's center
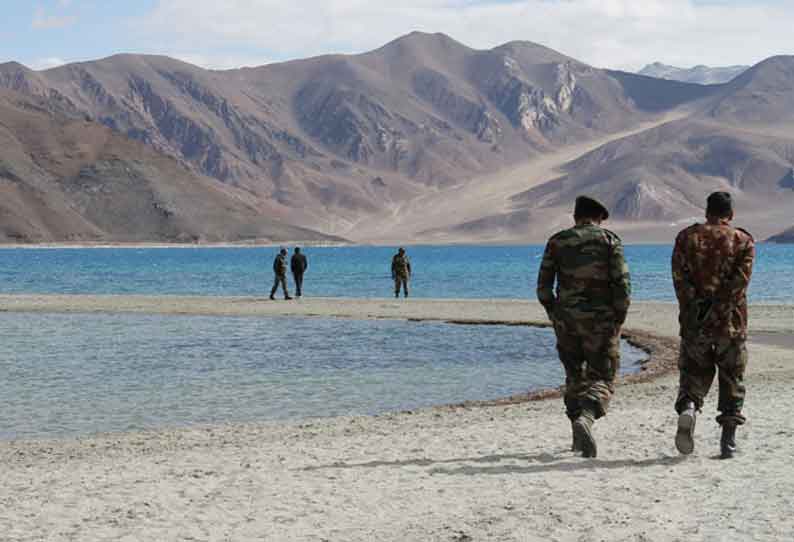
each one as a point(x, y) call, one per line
point(329, 140)
point(762, 94)
point(423, 139)
point(739, 137)
point(784, 237)
point(663, 174)
point(68, 179)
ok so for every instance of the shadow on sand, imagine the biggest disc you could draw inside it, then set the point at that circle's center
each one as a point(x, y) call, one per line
point(560, 461)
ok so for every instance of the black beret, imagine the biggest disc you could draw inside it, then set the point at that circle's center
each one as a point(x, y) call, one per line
point(590, 207)
point(719, 204)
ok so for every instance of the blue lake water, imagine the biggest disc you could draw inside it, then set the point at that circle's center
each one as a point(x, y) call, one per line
point(80, 374)
point(439, 272)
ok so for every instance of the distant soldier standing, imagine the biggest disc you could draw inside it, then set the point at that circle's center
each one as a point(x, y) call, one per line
point(280, 270)
point(401, 272)
point(712, 265)
point(298, 265)
point(587, 309)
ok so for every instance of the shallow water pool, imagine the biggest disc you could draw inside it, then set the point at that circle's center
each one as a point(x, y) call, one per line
point(66, 375)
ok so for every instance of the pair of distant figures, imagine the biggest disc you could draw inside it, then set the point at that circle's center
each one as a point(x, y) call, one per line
point(298, 265)
point(400, 272)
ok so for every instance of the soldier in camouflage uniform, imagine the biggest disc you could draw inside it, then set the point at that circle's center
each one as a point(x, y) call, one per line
point(712, 264)
point(401, 272)
point(587, 309)
point(280, 271)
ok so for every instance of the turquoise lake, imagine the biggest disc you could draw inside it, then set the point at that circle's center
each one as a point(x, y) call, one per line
point(66, 375)
point(78, 374)
point(439, 272)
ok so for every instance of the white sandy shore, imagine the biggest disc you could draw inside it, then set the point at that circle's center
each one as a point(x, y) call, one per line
point(501, 473)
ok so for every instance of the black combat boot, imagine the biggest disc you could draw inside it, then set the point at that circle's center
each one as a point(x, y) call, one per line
point(583, 434)
point(685, 437)
point(728, 441)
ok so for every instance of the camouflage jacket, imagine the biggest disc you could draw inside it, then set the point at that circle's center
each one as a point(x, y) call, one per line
point(400, 266)
point(712, 265)
point(280, 265)
point(591, 274)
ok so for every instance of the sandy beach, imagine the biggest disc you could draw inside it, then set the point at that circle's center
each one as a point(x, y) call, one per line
point(499, 472)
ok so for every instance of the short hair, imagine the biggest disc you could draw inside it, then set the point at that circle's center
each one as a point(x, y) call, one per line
point(719, 204)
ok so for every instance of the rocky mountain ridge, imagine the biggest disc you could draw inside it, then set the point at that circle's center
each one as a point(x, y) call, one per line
point(353, 145)
point(326, 140)
point(66, 179)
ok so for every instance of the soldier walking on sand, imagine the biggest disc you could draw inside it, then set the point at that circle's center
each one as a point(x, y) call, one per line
point(298, 265)
point(280, 270)
point(401, 272)
point(712, 264)
point(588, 308)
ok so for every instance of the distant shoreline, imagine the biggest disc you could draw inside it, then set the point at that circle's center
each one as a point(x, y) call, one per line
point(309, 244)
point(137, 246)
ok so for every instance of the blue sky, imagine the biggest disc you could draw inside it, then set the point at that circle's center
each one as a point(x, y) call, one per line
point(622, 34)
point(33, 31)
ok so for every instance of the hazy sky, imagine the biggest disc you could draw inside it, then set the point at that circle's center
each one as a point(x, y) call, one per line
point(624, 34)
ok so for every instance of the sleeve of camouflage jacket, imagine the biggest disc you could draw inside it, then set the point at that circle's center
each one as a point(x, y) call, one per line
point(736, 288)
point(620, 282)
point(546, 276)
point(685, 289)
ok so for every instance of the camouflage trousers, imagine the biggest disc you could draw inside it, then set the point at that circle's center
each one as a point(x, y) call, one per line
point(589, 350)
point(400, 281)
point(280, 280)
point(703, 357)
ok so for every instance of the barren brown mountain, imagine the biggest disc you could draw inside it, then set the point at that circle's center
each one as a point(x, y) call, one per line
point(69, 179)
point(426, 139)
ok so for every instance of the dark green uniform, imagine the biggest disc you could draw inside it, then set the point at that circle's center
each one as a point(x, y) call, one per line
point(401, 272)
point(587, 307)
point(280, 272)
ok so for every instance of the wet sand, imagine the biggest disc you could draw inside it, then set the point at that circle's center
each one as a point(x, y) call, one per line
point(489, 472)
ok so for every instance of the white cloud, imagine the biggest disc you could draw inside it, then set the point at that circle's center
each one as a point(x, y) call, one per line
point(612, 33)
point(221, 62)
point(47, 63)
point(44, 21)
